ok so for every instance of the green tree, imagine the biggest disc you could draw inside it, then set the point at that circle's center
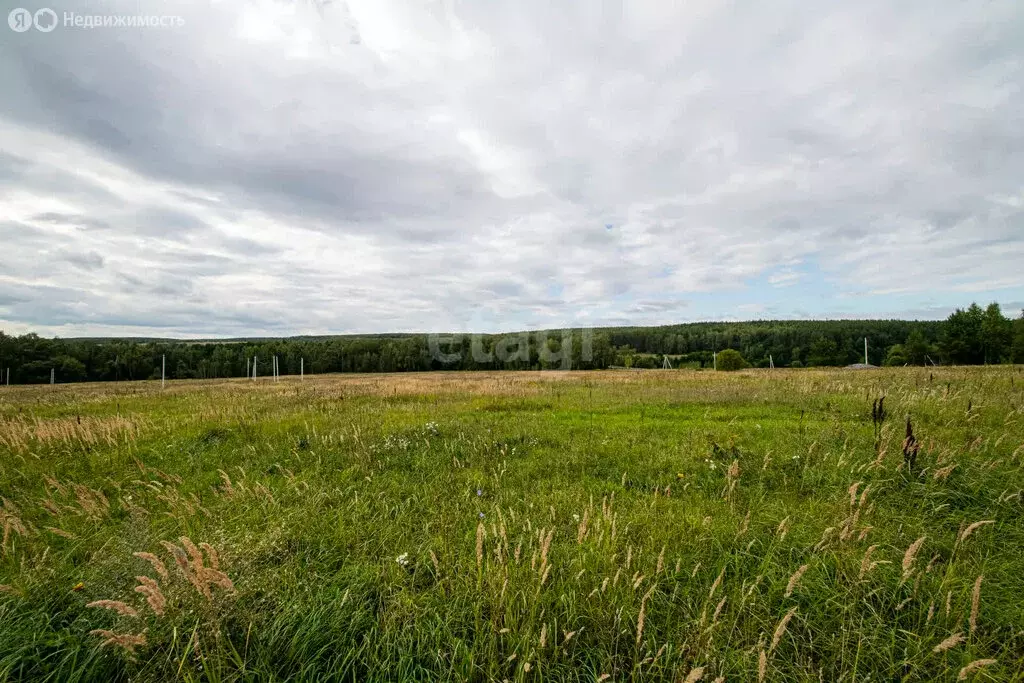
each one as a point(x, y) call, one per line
point(824, 352)
point(897, 356)
point(961, 339)
point(1018, 339)
point(731, 359)
point(996, 334)
point(916, 349)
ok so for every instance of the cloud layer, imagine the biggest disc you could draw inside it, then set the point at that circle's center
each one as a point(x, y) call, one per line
point(373, 165)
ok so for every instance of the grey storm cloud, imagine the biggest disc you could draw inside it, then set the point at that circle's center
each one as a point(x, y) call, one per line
point(376, 165)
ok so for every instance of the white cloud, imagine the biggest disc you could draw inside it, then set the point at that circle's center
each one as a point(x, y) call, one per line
point(373, 166)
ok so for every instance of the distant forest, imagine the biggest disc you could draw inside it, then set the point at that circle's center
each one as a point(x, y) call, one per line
point(971, 336)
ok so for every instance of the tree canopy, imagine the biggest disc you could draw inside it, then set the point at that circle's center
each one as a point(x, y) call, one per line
point(969, 336)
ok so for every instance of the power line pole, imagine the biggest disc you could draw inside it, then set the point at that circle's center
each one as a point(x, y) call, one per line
point(163, 370)
point(865, 351)
point(302, 369)
point(52, 377)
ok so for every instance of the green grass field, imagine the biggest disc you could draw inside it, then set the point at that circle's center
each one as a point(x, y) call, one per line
point(607, 526)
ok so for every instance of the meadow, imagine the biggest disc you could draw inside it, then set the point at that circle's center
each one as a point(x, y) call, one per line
point(579, 526)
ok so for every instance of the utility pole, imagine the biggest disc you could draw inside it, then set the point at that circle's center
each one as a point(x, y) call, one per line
point(52, 382)
point(302, 369)
point(254, 359)
point(714, 359)
point(771, 362)
point(247, 366)
point(865, 350)
point(163, 371)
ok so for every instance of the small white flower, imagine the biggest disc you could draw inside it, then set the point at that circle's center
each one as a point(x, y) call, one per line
point(403, 559)
point(575, 518)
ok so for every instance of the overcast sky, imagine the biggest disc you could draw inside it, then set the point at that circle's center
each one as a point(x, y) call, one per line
point(370, 165)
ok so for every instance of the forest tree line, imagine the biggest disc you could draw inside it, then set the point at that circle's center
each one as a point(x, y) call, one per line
point(970, 336)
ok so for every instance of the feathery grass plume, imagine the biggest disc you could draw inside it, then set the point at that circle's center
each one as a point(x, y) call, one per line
point(60, 532)
point(661, 561)
point(480, 545)
point(942, 473)
point(910, 555)
point(762, 665)
point(718, 611)
point(783, 528)
point(744, 525)
point(975, 603)
point(720, 679)
point(780, 630)
point(865, 563)
point(128, 641)
point(695, 675)
point(716, 584)
point(545, 547)
point(180, 558)
point(949, 602)
point(193, 552)
point(972, 528)
point(211, 554)
point(642, 616)
point(543, 636)
point(602, 678)
point(853, 493)
point(567, 636)
point(115, 606)
point(910, 447)
point(795, 579)
point(949, 642)
point(154, 596)
point(437, 565)
point(972, 667)
point(581, 532)
point(825, 536)
point(226, 487)
point(863, 496)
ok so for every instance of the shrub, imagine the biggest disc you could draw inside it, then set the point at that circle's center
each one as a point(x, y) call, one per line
point(730, 359)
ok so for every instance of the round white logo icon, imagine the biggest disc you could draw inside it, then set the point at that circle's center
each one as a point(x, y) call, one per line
point(20, 19)
point(46, 20)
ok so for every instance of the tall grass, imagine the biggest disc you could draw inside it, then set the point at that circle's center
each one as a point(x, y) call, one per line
point(607, 526)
